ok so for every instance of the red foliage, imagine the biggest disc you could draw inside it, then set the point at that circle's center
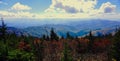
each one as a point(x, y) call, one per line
point(37, 41)
point(21, 45)
point(24, 46)
point(102, 44)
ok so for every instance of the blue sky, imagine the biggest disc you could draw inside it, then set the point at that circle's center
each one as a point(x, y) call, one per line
point(37, 9)
point(37, 6)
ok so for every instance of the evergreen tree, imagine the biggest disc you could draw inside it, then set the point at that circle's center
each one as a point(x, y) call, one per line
point(53, 35)
point(3, 29)
point(91, 42)
point(66, 53)
point(76, 37)
point(62, 37)
point(116, 46)
point(68, 36)
point(44, 37)
point(48, 38)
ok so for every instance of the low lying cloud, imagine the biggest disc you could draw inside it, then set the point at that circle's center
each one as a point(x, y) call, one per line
point(19, 14)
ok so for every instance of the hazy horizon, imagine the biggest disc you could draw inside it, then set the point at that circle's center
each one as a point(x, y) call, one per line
point(22, 23)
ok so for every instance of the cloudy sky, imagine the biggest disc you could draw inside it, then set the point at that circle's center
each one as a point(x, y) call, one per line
point(39, 9)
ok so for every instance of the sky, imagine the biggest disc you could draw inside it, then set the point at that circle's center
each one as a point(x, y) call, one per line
point(45, 9)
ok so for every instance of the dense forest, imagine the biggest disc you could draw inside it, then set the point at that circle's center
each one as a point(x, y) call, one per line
point(51, 47)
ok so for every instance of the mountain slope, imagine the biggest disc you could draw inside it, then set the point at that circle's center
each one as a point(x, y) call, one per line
point(75, 28)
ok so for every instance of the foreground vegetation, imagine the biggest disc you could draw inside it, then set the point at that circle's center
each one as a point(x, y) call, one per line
point(15, 47)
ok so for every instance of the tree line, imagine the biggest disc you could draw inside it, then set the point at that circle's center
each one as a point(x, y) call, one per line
point(54, 48)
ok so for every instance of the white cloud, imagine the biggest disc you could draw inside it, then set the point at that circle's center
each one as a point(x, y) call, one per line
point(82, 9)
point(107, 8)
point(65, 9)
point(72, 6)
point(62, 15)
point(18, 6)
point(19, 14)
point(18, 10)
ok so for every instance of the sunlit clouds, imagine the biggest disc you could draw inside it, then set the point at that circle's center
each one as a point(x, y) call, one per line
point(75, 6)
point(64, 9)
point(18, 6)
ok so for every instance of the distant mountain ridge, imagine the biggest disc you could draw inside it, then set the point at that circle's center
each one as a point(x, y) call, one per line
point(77, 28)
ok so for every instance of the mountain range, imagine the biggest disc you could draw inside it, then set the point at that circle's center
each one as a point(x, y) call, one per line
point(75, 28)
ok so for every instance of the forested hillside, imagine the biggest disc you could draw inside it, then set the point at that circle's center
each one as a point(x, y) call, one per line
point(51, 47)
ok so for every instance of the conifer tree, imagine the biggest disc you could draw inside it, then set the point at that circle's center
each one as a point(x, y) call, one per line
point(53, 35)
point(116, 46)
point(47, 38)
point(68, 36)
point(44, 37)
point(62, 37)
point(66, 53)
point(3, 29)
point(91, 42)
